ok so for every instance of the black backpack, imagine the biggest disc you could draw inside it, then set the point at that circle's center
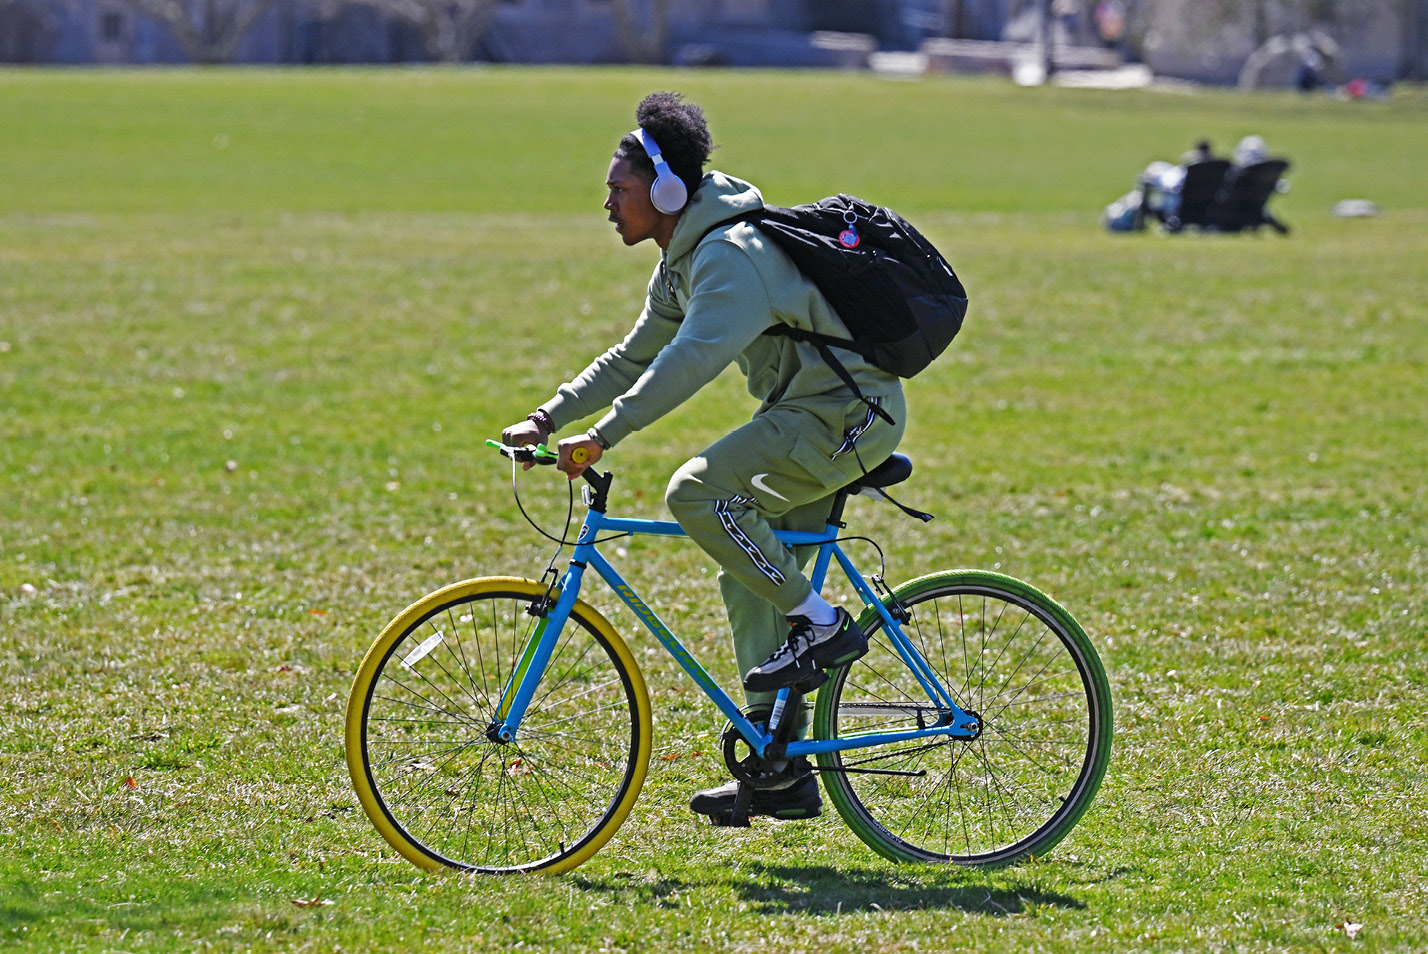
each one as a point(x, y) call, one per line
point(898, 297)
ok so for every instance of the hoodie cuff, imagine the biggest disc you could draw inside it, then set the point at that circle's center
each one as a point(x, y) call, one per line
point(614, 428)
point(558, 412)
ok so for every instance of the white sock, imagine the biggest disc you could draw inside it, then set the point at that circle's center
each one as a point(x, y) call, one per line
point(818, 610)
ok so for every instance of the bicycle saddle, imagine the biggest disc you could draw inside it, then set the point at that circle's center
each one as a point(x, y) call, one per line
point(894, 470)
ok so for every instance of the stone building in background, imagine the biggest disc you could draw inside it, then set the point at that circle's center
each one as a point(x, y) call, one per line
point(1203, 40)
point(1213, 41)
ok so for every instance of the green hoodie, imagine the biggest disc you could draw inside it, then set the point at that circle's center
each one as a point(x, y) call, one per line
point(709, 302)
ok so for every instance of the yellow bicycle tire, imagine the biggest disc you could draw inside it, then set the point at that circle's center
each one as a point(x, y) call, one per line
point(385, 721)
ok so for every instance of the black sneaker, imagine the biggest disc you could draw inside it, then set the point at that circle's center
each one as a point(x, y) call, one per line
point(795, 798)
point(809, 649)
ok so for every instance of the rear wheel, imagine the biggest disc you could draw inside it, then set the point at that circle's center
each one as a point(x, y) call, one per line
point(1018, 660)
point(446, 795)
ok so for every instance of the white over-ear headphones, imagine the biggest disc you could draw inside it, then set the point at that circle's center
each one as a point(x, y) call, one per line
point(668, 192)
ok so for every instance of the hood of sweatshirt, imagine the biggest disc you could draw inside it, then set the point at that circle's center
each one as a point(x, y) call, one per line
point(718, 198)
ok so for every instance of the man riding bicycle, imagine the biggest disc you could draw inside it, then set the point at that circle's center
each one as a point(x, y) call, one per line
point(718, 287)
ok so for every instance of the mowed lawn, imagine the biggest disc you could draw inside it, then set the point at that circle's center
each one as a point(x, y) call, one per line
point(255, 326)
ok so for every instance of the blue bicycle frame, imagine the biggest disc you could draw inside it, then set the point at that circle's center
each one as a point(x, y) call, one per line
point(953, 721)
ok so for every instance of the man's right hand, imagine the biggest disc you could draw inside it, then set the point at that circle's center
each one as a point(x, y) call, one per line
point(522, 433)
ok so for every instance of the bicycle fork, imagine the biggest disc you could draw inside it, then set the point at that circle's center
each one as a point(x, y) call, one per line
point(530, 668)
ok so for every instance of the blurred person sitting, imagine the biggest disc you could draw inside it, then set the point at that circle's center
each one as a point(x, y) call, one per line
point(1250, 150)
point(1251, 181)
point(1167, 189)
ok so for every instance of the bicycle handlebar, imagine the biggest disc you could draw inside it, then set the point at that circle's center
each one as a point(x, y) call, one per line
point(540, 454)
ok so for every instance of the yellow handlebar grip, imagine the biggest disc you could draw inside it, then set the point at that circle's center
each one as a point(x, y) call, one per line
point(579, 455)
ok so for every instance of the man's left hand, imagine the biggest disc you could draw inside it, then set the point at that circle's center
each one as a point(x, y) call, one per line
point(576, 454)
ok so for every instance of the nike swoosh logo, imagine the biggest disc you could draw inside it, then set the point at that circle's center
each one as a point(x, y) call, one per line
point(758, 481)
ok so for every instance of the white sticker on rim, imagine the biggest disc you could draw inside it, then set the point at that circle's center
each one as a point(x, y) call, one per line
point(426, 646)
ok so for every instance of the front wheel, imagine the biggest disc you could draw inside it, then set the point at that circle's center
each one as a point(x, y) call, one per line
point(444, 793)
point(1013, 656)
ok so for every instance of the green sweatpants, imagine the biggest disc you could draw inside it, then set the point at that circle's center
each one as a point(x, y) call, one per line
point(779, 471)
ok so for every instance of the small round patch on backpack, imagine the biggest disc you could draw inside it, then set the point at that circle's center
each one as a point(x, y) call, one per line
point(849, 238)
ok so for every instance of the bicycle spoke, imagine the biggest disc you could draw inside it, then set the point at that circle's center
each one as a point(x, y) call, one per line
point(991, 799)
point(473, 802)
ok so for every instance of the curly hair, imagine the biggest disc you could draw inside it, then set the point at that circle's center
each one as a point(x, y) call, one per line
point(681, 131)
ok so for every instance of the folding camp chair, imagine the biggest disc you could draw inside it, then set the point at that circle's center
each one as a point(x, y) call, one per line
point(1240, 204)
point(1202, 184)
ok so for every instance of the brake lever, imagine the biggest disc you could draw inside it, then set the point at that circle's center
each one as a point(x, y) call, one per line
point(526, 454)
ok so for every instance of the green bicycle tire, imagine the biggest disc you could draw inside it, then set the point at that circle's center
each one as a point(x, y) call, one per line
point(1008, 652)
point(448, 797)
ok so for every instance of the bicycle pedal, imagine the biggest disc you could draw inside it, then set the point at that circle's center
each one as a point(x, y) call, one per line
point(726, 820)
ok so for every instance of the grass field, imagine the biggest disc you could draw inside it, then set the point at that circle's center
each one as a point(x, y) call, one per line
point(255, 325)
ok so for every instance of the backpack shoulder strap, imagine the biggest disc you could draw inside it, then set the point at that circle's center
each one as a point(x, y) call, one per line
point(821, 342)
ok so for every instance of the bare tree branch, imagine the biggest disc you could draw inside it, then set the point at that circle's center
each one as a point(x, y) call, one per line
point(210, 31)
point(643, 29)
point(449, 28)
